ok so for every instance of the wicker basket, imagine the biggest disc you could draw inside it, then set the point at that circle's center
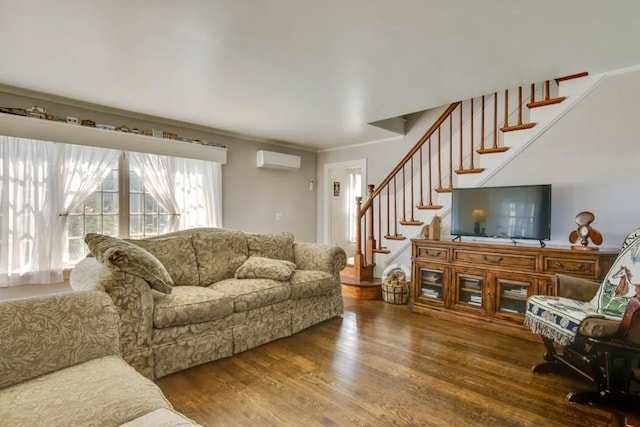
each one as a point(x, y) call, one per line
point(395, 293)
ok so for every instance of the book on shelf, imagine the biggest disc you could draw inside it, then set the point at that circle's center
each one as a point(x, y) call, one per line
point(515, 292)
point(475, 300)
point(430, 293)
point(431, 278)
point(471, 284)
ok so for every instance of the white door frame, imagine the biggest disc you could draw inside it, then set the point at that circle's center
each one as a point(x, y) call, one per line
point(327, 185)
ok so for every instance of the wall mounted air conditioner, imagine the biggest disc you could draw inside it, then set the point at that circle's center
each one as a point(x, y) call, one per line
point(273, 160)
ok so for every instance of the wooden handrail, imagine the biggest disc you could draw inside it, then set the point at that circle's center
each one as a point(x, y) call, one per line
point(410, 154)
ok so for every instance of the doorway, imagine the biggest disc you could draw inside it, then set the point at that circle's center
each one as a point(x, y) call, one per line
point(343, 182)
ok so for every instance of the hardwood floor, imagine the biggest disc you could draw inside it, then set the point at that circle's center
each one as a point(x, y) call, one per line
point(381, 365)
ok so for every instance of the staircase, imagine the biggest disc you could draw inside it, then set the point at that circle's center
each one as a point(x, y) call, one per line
point(467, 144)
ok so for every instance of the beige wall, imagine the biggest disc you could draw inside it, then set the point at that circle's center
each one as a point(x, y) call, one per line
point(251, 197)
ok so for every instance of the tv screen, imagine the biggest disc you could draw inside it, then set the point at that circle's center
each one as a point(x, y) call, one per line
point(513, 212)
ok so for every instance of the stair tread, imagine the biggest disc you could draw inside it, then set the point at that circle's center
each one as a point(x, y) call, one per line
point(517, 127)
point(411, 222)
point(545, 102)
point(381, 251)
point(397, 237)
point(346, 280)
point(492, 150)
point(429, 206)
point(470, 170)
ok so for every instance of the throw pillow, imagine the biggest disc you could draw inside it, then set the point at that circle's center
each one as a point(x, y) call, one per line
point(265, 268)
point(176, 254)
point(271, 245)
point(117, 254)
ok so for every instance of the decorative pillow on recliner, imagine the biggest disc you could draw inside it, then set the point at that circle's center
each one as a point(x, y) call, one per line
point(616, 289)
point(120, 255)
point(256, 267)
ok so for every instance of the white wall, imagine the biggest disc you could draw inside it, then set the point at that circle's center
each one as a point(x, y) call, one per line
point(251, 197)
point(590, 157)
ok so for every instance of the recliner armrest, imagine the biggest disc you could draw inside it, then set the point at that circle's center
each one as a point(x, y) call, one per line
point(598, 327)
point(574, 287)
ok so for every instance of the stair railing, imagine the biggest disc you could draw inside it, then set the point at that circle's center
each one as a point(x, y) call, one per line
point(390, 198)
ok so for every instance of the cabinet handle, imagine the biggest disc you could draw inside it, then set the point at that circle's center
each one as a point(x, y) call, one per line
point(436, 253)
point(496, 261)
point(578, 267)
point(491, 294)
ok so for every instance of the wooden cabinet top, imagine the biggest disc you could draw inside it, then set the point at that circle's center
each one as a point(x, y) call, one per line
point(547, 260)
point(518, 249)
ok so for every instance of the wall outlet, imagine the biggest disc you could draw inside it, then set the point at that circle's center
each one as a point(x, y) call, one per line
point(278, 216)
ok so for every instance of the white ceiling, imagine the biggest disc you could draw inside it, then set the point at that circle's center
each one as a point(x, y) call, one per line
point(308, 72)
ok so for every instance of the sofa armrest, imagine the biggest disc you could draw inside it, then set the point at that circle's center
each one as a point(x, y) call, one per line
point(575, 287)
point(318, 256)
point(45, 334)
point(131, 295)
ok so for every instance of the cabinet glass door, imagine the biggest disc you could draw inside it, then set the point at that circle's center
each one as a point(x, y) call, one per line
point(512, 296)
point(431, 281)
point(470, 290)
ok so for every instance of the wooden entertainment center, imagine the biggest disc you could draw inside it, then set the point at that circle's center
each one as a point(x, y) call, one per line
point(486, 285)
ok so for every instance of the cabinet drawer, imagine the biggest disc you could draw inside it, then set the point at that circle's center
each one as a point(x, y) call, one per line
point(582, 267)
point(497, 259)
point(429, 253)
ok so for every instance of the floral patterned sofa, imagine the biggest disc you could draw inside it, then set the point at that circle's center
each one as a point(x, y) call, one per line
point(197, 295)
point(60, 365)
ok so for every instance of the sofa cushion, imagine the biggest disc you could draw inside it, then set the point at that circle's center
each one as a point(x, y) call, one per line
point(311, 283)
point(248, 294)
point(101, 392)
point(117, 254)
point(271, 245)
point(219, 253)
point(176, 254)
point(188, 305)
point(617, 287)
point(256, 267)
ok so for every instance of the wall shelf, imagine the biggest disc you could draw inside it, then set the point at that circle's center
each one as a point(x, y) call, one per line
point(47, 130)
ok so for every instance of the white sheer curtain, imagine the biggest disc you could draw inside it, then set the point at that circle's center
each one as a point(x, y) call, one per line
point(159, 180)
point(29, 183)
point(198, 192)
point(82, 169)
point(189, 189)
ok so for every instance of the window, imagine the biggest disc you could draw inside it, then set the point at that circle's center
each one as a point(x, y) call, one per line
point(54, 194)
point(100, 212)
point(146, 216)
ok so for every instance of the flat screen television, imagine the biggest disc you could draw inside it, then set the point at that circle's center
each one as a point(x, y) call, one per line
point(511, 212)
